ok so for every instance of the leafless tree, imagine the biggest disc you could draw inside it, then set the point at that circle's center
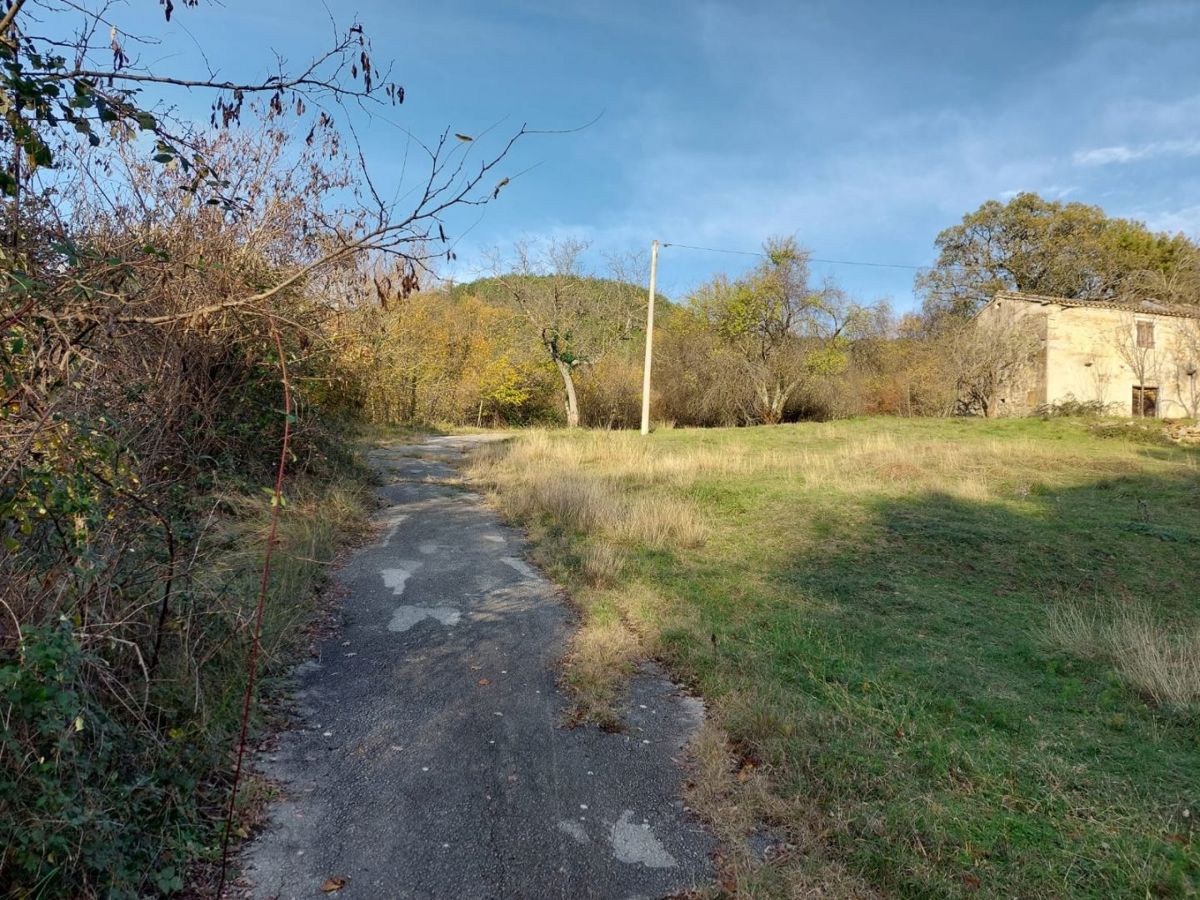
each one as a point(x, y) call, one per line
point(989, 358)
point(1186, 364)
point(1139, 346)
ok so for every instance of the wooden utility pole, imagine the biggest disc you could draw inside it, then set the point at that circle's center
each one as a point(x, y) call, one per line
point(649, 340)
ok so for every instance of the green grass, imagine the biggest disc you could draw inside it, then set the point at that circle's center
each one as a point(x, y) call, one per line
point(876, 618)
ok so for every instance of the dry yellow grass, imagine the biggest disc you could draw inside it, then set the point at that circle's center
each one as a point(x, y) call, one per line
point(617, 455)
point(600, 658)
point(540, 477)
point(579, 477)
point(602, 564)
point(311, 525)
point(1159, 663)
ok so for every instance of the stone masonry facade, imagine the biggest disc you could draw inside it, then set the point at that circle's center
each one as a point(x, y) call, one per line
point(1133, 358)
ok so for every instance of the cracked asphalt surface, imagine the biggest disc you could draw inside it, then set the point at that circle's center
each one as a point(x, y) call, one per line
point(429, 757)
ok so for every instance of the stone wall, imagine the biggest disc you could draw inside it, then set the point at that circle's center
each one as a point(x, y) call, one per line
point(1091, 354)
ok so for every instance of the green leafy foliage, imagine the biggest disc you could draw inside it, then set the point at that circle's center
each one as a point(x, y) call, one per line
point(777, 332)
point(88, 802)
point(39, 94)
point(1055, 249)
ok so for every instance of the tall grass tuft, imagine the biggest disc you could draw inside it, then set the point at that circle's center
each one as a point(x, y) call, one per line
point(1159, 663)
point(537, 477)
point(601, 564)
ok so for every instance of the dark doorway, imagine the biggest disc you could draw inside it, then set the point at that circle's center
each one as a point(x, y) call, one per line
point(1145, 401)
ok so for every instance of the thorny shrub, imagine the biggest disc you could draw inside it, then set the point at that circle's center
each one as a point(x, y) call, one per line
point(122, 413)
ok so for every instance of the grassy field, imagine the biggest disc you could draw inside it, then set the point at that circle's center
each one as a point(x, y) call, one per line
point(943, 658)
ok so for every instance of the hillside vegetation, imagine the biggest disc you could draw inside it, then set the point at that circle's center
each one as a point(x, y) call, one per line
point(942, 658)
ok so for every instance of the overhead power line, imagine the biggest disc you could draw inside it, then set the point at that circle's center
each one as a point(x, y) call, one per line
point(716, 249)
point(816, 259)
point(877, 265)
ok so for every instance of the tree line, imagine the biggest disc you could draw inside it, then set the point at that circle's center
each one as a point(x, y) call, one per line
point(545, 341)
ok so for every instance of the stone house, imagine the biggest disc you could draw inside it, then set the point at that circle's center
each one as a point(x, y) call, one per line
point(1136, 359)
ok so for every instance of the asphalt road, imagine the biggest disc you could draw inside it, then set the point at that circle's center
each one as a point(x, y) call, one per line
point(429, 757)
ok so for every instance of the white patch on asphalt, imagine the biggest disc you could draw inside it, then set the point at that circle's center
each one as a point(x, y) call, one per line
point(574, 829)
point(634, 843)
point(493, 537)
point(427, 547)
point(405, 617)
point(520, 566)
point(398, 577)
point(393, 523)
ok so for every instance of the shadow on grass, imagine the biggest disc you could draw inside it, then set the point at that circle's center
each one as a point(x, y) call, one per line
point(899, 674)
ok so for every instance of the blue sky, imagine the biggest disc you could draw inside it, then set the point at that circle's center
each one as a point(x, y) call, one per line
point(861, 128)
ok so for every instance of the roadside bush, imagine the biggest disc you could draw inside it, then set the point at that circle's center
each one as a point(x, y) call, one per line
point(1138, 431)
point(128, 414)
point(610, 393)
point(1071, 408)
point(168, 295)
point(85, 793)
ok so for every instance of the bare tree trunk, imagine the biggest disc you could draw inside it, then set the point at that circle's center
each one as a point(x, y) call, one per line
point(771, 401)
point(572, 403)
point(762, 408)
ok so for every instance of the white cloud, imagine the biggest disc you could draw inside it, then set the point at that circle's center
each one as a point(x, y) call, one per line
point(1122, 153)
point(1053, 191)
point(1101, 156)
point(1186, 220)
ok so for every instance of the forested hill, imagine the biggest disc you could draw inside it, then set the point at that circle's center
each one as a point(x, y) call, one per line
point(600, 290)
